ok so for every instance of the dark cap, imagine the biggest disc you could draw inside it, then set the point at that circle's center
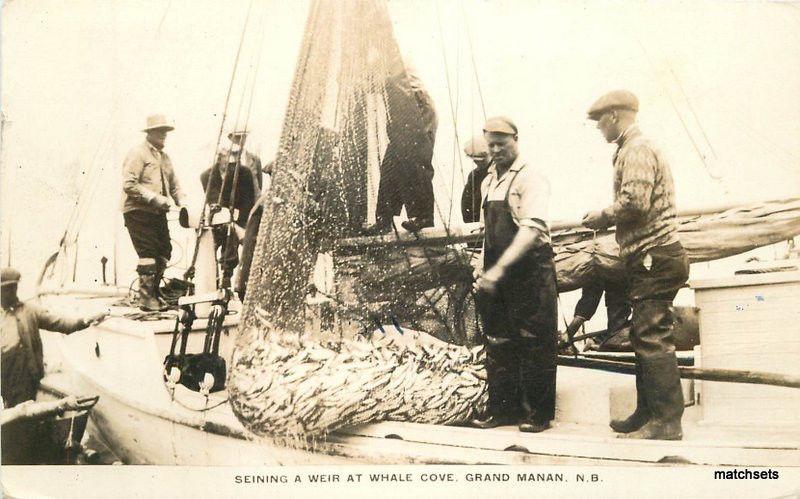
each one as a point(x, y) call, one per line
point(9, 276)
point(237, 133)
point(617, 99)
point(500, 124)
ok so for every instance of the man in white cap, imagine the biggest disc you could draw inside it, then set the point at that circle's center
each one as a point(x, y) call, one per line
point(148, 183)
point(656, 264)
point(516, 291)
point(231, 185)
point(477, 150)
point(249, 160)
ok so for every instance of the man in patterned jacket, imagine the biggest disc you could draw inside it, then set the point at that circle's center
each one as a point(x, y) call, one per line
point(656, 263)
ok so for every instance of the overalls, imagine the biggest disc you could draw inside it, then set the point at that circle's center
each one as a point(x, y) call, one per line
point(520, 322)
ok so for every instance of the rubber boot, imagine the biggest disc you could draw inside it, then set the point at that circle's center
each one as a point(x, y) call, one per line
point(148, 300)
point(662, 383)
point(641, 415)
point(225, 281)
point(161, 266)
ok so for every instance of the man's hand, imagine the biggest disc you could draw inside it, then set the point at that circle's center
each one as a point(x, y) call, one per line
point(595, 220)
point(98, 317)
point(487, 282)
point(239, 231)
point(162, 203)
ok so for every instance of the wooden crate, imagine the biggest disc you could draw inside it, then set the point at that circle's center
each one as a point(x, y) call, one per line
point(750, 322)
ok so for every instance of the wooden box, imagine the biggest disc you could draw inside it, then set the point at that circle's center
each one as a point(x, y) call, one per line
point(750, 322)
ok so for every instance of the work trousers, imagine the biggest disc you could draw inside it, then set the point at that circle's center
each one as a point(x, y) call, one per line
point(228, 243)
point(405, 181)
point(520, 323)
point(149, 234)
point(658, 384)
point(652, 291)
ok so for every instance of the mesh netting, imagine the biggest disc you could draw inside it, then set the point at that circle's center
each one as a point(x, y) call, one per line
point(356, 146)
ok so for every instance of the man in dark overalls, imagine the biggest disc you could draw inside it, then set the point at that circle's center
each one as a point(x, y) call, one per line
point(218, 183)
point(516, 288)
point(655, 262)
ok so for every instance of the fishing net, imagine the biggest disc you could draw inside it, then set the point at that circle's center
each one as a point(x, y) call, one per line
point(356, 148)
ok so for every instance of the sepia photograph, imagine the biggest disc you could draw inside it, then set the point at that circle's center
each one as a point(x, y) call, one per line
point(404, 247)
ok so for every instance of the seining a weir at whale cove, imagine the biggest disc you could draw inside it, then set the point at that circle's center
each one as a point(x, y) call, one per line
point(335, 326)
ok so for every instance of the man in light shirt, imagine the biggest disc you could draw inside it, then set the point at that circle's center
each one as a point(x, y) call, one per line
point(148, 183)
point(516, 288)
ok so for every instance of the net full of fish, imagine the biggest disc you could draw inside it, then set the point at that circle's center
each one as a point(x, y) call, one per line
point(287, 386)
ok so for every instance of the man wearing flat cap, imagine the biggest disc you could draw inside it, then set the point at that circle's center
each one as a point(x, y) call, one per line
point(22, 360)
point(22, 365)
point(477, 150)
point(655, 262)
point(148, 183)
point(516, 288)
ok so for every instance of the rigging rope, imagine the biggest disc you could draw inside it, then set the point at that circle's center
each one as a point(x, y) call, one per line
point(714, 176)
point(472, 56)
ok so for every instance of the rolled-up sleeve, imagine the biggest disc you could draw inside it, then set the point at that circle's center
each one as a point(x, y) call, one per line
point(131, 173)
point(529, 199)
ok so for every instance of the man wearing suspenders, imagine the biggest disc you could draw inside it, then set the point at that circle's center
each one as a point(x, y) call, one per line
point(516, 288)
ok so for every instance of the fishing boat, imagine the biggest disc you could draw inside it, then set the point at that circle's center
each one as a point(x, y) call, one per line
point(290, 390)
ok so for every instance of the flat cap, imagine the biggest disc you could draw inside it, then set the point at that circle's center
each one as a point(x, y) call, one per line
point(476, 146)
point(9, 276)
point(238, 133)
point(617, 99)
point(500, 124)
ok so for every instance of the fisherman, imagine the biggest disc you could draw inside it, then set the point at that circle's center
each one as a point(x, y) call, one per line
point(218, 182)
point(247, 159)
point(251, 233)
point(655, 261)
point(477, 150)
point(516, 288)
point(24, 441)
point(618, 311)
point(148, 182)
point(407, 169)
point(22, 358)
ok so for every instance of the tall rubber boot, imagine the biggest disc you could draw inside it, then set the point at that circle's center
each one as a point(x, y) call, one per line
point(225, 280)
point(662, 382)
point(161, 267)
point(148, 300)
point(641, 415)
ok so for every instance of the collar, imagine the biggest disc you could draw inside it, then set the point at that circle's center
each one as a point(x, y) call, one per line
point(515, 167)
point(152, 147)
point(630, 132)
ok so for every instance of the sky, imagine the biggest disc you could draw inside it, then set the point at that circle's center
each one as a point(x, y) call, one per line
point(717, 83)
